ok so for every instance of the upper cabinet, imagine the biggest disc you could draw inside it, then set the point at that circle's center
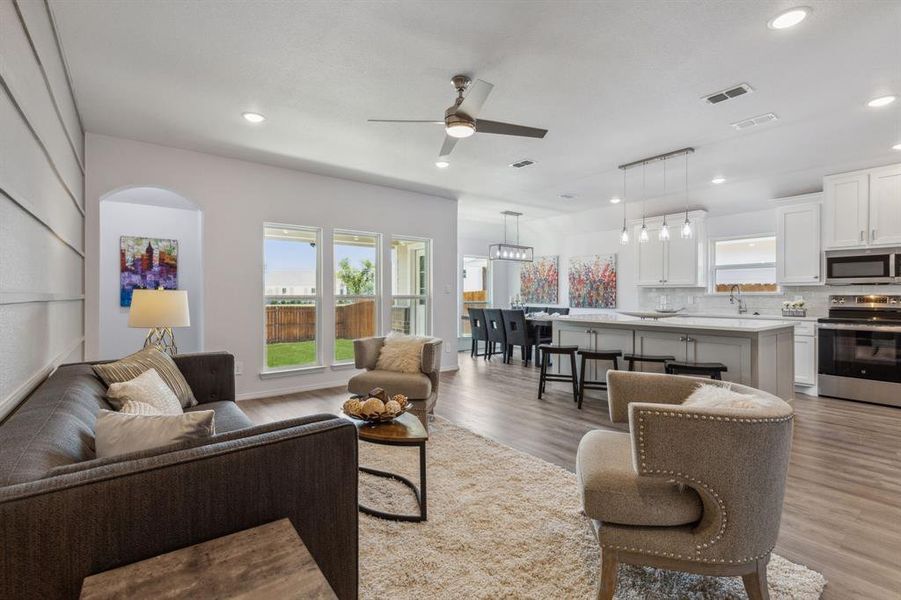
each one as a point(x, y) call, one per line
point(863, 208)
point(798, 257)
point(677, 262)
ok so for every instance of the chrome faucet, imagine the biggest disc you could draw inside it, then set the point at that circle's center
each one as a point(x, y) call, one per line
point(742, 307)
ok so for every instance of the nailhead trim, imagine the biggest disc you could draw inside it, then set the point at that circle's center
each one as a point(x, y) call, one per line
point(718, 561)
point(680, 477)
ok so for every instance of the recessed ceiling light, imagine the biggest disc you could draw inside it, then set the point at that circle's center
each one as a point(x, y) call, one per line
point(896, 147)
point(253, 117)
point(789, 18)
point(442, 164)
point(718, 180)
point(881, 101)
point(615, 200)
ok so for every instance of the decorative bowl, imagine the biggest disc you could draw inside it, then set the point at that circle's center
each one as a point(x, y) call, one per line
point(376, 406)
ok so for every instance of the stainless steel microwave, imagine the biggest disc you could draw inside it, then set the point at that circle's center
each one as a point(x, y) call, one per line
point(848, 267)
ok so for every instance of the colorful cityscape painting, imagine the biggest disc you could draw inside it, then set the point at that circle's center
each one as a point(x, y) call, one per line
point(146, 263)
point(592, 281)
point(538, 281)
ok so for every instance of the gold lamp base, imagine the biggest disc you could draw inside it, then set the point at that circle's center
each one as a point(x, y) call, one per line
point(161, 338)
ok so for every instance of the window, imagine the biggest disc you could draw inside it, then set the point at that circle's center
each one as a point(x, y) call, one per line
point(749, 263)
point(292, 296)
point(411, 285)
point(476, 288)
point(356, 290)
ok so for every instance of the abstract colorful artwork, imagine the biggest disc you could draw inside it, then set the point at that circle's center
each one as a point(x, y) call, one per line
point(592, 281)
point(146, 263)
point(539, 280)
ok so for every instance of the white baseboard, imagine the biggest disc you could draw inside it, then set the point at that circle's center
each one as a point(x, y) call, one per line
point(8, 404)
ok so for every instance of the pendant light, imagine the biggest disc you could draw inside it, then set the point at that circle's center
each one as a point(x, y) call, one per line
point(643, 236)
point(663, 234)
point(686, 231)
point(624, 236)
point(511, 252)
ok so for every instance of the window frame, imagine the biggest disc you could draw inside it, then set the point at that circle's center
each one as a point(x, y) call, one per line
point(377, 288)
point(711, 288)
point(316, 298)
point(489, 284)
point(429, 250)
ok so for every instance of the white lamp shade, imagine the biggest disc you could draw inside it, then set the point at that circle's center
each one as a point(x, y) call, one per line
point(159, 308)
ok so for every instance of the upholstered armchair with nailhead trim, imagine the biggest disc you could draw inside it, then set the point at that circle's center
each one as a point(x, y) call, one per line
point(687, 488)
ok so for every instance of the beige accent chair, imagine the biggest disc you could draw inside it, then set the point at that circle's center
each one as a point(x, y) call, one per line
point(421, 388)
point(687, 488)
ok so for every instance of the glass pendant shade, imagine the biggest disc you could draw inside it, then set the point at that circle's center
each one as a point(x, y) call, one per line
point(663, 234)
point(686, 231)
point(643, 236)
point(624, 236)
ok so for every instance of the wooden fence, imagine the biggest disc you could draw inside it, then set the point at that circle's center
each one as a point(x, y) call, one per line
point(297, 323)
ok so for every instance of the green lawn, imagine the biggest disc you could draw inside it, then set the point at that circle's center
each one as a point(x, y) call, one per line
point(304, 353)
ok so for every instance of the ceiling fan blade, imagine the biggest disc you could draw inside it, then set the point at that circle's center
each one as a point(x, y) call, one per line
point(483, 126)
point(403, 121)
point(448, 146)
point(475, 98)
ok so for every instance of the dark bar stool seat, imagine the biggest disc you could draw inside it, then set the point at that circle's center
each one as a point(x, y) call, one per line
point(651, 358)
point(713, 370)
point(546, 350)
point(585, 383)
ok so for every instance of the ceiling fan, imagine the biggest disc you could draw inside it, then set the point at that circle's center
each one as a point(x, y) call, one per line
point(461, 120)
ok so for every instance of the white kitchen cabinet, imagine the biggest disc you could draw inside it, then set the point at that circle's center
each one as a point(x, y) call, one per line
point(681, 261)
point(847, 199)
point(659, 343)
point(734, 352)
point(651, 258)
point(674, 263)
point(805, 359)
point(885, 206)
point(589, 338)
point(798, 251)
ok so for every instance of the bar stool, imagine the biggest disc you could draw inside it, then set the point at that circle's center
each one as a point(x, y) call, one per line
point(713, 370)
point(651, 358)
point(546, 350)
point(584, 382)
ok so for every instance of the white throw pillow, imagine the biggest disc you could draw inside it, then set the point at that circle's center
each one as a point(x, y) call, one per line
point(146, 388)
point(715, 396)
point(116, 433)
point(401, 353)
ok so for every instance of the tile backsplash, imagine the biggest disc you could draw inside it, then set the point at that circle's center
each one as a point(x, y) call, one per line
point(699, 301)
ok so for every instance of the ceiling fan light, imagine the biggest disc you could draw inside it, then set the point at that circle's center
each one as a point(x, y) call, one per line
point(460, 129)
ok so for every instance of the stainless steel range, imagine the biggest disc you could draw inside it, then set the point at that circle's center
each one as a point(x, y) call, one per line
point(859, 355)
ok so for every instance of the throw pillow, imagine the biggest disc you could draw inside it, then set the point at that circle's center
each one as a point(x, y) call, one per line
point(149, 358)
point(117, 433)
point(401, 353)
point(147, 388)
point(715, 396)
point(133, 407)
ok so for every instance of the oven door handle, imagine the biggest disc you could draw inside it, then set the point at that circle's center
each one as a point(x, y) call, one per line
point(865, 328)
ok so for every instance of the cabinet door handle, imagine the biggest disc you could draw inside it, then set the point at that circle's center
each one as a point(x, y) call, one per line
point(861, 235)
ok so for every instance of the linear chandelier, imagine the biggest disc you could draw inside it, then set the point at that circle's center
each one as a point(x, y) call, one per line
point(507, 251)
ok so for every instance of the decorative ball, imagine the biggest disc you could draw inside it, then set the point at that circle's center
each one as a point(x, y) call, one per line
point(392, 407)
point(353, 406)
point(400, 399)
point(373, 407)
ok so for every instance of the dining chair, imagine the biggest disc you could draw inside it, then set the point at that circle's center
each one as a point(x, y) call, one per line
point(479, 331)
point(518, 333)
point(494, 324)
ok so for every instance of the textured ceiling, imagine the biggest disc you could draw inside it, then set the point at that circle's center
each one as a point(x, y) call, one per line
point(612, 81)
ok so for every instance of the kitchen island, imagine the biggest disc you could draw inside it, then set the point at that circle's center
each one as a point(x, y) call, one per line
point(757, 352)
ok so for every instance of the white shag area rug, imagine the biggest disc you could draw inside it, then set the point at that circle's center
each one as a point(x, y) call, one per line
point(504, 524)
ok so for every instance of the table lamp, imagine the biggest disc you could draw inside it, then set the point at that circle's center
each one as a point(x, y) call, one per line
point(159, 311)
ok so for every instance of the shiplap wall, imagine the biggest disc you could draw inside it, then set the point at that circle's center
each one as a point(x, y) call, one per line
point(41, 203)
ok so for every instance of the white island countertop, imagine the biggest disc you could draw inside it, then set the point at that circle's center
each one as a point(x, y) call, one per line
point(693, 323)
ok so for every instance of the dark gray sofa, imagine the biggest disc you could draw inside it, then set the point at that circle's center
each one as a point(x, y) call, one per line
point(65, 514)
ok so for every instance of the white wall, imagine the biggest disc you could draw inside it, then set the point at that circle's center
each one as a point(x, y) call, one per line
point(236, 198)
point(41, 205)
point(124, 218)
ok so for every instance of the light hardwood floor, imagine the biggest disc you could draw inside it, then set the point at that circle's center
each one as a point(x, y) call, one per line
point(842, 512)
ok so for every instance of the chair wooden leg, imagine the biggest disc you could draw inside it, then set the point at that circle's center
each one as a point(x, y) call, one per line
point(609, 568)
point(755, 583)
point(582, 383)
point(575, 373)
point(541, 380)
point(472, 350)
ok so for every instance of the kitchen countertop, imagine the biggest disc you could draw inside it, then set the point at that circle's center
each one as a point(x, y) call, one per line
point(692, 322)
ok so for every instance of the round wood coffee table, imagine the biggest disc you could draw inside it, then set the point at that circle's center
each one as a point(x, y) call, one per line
point(406, 430)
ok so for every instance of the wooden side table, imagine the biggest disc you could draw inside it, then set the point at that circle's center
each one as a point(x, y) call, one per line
point(269, 561)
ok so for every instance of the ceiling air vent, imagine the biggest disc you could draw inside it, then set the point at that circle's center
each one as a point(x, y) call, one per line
point(754, 121)
point(733, 92)
point(522, 163)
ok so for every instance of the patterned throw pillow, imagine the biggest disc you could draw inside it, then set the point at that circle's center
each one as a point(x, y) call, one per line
point(133, 407)
point(133, 365)
point(148, 388)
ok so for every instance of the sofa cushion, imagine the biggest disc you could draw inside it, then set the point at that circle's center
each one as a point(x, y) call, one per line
point(54, 427)
point(228, 416)
point(415, 386)
point(613, 492)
